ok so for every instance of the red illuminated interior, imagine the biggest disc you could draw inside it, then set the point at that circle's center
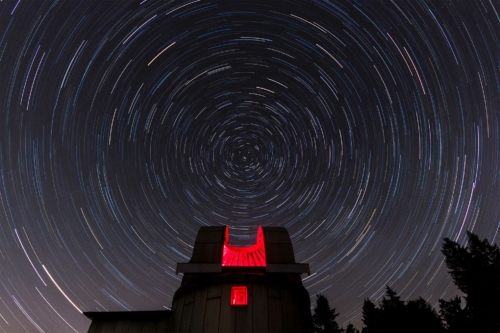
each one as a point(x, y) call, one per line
point(253, 256)
point(239, 295)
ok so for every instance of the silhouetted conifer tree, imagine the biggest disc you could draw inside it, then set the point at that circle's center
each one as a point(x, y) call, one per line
point(351, 329)
point(421, 317)
point(394, 315)
point(393, 312)
point(457, 318)
point(324, 317)
point(372, 317)
point(475, 269)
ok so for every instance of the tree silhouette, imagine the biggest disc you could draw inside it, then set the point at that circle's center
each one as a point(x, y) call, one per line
point(457, 319)
point(475, 269)
point(324, 317)
point(421, 317)
point(394, 315)
point(350, 329)
point(372, 317)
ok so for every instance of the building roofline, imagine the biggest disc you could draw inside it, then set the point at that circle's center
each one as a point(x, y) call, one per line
point(129, 315)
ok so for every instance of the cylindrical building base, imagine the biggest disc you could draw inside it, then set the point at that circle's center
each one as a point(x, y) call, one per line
point(276, 303)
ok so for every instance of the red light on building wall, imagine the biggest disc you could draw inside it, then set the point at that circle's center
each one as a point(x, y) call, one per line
point(239, 295)
point(254, 255)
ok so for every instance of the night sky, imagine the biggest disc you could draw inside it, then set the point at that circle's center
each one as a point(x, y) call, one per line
point(370, 130)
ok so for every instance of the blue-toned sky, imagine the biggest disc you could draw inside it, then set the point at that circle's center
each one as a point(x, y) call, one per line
point(369, 129)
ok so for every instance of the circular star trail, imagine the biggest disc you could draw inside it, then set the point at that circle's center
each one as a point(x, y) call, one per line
point(370, 130)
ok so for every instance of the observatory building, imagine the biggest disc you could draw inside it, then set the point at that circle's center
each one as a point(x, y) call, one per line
point(227, 289)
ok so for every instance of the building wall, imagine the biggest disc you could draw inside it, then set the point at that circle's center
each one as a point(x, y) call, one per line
point(276, 303)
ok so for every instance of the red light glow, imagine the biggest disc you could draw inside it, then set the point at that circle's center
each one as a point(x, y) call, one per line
point(239, 295)
point(250, 256)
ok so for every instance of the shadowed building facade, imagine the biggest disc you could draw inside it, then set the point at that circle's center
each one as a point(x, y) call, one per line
point(228, 289)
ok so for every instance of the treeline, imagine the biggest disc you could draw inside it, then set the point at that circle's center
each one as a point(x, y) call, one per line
point(475, 269)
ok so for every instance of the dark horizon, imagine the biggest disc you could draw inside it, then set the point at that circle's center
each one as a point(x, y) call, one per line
point(370, 130)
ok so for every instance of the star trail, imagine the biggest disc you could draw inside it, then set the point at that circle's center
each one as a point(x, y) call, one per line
point(369, 129)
